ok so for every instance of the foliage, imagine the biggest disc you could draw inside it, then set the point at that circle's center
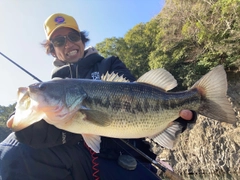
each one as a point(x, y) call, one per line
point(112, 47)
point(188, 38)
point(196, 36)
point(134, 48)
point(4, 115)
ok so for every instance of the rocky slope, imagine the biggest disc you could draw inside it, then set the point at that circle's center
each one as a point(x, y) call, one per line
point(208, 147)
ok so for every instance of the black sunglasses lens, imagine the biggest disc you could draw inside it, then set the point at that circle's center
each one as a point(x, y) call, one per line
point(74, 37)
point(59, 41)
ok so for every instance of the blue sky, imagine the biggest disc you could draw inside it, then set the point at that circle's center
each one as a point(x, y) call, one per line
point(22, 32)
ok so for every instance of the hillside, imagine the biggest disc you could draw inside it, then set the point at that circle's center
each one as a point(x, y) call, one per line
point(4, 114)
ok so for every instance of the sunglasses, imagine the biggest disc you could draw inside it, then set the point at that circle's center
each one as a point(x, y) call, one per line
point(61, 40)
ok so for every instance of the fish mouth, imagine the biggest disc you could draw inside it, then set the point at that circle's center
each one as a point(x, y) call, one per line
point(23, 104)
point(24, 99)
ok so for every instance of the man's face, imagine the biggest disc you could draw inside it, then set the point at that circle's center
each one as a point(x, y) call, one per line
point(70, 51)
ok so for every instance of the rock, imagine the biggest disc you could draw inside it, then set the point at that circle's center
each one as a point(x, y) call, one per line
point(209, 146)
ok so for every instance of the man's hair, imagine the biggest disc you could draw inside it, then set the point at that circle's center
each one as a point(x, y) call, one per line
point(49, 49)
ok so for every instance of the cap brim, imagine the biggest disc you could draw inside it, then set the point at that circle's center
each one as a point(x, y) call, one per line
point(60, 26)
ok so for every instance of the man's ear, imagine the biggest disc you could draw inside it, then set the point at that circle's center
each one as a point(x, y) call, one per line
point(52, 50)
point(53, 54)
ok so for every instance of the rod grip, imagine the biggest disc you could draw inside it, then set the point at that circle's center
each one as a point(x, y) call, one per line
point(173, 176)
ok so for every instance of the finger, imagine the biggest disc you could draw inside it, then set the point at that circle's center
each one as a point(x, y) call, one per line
point(10, 122)
point(186, 114)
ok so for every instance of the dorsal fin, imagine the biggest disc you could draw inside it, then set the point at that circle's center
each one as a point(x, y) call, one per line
point(114, 77)
point(160, 78)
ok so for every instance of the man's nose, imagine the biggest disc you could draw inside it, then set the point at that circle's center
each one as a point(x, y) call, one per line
point(68, 43)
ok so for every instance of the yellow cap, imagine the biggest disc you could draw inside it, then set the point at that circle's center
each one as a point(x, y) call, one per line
point(58, 20)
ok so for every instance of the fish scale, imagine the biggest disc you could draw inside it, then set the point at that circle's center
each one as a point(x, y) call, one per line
point(122, 109)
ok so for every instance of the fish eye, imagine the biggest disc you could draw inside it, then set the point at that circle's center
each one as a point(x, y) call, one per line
point(42, 86)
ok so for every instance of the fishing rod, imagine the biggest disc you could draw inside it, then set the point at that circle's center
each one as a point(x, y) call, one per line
point(170, 174)
point(20, 67)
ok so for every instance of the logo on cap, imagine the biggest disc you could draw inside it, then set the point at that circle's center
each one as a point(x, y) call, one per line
point(59, 20)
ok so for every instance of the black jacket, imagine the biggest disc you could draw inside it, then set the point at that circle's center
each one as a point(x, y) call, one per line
point(43, 135)
point(93, 66)
point(41, 151)
point(58, 153)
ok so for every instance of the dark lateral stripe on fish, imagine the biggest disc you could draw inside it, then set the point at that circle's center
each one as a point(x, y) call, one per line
point(180, 100)
point(147, 105)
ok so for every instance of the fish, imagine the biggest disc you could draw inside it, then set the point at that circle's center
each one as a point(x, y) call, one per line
point(114, 107)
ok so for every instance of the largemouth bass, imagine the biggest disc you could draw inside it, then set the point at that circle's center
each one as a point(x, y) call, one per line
point(114, 107)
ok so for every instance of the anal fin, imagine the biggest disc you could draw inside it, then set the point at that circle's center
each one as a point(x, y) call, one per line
point(168, 137)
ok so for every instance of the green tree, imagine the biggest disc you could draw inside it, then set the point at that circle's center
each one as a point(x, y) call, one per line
point(196, 36)
point(4, 115)
point(134, 48)
point(187, 38)
point(112, 47)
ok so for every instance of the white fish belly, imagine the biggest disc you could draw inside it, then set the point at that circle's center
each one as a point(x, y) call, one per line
point(123, 125)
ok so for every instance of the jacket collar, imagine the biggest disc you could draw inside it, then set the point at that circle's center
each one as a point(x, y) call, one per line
point(87, 53)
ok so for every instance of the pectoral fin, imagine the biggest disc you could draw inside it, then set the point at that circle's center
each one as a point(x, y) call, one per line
point(92, 141)
point(97, 117)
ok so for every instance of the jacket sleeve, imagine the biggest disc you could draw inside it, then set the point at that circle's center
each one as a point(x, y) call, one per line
point(44, 135)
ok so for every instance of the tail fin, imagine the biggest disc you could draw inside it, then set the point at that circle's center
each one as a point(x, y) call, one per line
point(213, 88)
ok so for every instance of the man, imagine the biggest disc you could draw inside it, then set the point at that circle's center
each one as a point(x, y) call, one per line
point(42, 151)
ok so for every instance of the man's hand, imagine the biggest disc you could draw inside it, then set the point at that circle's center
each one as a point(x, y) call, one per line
point(186, 117)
